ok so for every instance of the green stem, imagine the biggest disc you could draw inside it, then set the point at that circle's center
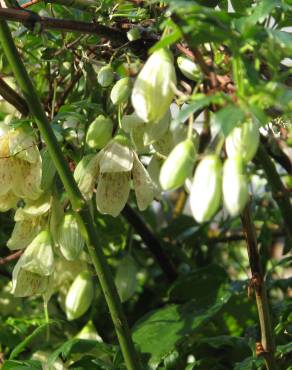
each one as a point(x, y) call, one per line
point(237, 70)
point(47, 318)
point(258, 283)
point(77, 201)
point(279, 192)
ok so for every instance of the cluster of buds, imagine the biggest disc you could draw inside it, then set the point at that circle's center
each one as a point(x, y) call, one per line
point(212, 182)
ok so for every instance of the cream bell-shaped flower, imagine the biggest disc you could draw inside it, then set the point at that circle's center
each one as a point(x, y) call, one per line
point(153, 89)
point(29, 221)
point(113, 169)
point(20, 166)
point(117, 165)
point(32, 271)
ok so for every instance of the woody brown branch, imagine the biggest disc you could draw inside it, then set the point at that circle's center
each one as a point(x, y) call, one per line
point(117, 37)
point(13, 97)
point(63, 24)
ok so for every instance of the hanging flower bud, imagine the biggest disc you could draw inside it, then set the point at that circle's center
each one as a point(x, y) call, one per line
point(188, 68)
point(121, 91)
point(105, 76)
point(243, 140)
point(178, 165)
point(79, 296)
point(206, 188)
point(154, 87)
point(30, 274)
point(70, 240)
point(235, 186)
point(126, 280)
point(99, 132)
point(133, 34)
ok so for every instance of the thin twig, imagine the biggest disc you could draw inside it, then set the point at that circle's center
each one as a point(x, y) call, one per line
point(11, 257)
point(68, 90)
point(267, 345)
point(13, 98)
point(151, 241)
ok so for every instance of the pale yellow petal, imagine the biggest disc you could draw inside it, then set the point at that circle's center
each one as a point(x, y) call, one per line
point(112, 192)
point(23, 233)
point(27, 182)
point(143, 185)
point(23, 146)
point(116, 158)
point(25, 283)
point(8, 201)
point(7, 173)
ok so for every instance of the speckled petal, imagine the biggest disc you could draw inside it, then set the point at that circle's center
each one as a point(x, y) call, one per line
point(27, 184)
point(112, 192)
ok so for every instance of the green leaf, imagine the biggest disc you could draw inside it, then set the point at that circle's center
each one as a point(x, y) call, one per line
point(284, 349)
point(241, 5)
point(201, 285)
point(281, 39)
point(22, 365)
point(250, 363)
point(227, 118)
point(159, 332)
point(199, 101)
point(90, 363)
point(168, 40)
point(23, 345)
point(80, 346)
